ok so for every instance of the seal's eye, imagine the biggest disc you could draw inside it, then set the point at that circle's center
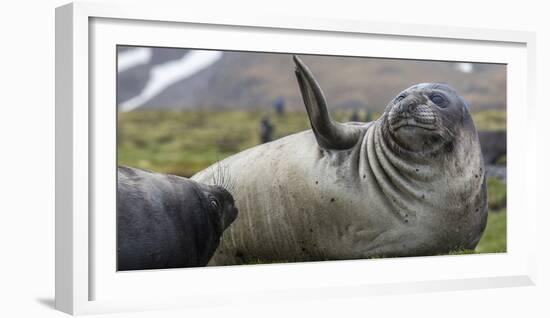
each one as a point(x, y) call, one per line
point(214, 203)
point(439, 100)
point(400, 98)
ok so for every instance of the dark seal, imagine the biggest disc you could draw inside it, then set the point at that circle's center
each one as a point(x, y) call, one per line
point(166, 221)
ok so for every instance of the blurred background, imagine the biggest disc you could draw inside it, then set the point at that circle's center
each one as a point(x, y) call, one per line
point(181, 110)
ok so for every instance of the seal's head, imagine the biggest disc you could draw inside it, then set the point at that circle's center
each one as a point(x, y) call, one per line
point(425, 118)
point(220, 206)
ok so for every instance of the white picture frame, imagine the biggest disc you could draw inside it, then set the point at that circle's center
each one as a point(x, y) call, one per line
point(86, 281)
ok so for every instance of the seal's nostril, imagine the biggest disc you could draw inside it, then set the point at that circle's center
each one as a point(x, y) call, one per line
point(407, 107)
point(410, 106)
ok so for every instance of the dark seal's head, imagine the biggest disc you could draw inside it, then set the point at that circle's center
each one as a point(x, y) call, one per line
point(426, 118)
point(219, 204)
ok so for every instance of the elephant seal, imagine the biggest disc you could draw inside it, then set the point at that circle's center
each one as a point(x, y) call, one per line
point(166, 221)
point(410, 183)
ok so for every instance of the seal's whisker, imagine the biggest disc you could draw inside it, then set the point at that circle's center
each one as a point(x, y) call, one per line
point(214, 175)
point(221, 176)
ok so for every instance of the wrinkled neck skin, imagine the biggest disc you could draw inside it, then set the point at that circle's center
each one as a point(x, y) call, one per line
point(398, 169)
point(432, 191)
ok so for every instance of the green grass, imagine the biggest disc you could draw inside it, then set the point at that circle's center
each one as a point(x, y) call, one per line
point(497, 193)
point(184, 143)
point(490, 119)
point(494, 238)
point(501, 160)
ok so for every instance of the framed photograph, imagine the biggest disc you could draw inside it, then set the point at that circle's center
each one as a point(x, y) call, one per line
point(205, 160)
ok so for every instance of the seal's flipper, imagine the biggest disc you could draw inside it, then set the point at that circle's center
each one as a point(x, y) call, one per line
point(329, 134)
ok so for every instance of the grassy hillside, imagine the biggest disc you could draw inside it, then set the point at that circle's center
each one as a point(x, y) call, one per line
point(184, 143)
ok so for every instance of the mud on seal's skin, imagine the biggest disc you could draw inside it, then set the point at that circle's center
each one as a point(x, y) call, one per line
point(166, 221)
point(410, 183)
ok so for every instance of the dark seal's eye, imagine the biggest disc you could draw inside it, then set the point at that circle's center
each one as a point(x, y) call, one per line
point(214, 203)
point(400, 98)
point(439, 100)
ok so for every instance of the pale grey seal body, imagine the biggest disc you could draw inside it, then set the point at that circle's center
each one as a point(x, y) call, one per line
point(410, 183)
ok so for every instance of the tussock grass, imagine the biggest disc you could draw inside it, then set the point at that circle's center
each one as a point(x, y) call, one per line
point(490, 120)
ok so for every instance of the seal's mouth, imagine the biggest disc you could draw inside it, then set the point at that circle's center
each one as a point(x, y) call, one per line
point(421, 117)
point(410, 123)
point(230, 216)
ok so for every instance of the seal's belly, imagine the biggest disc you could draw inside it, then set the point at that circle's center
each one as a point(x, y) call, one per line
point(328, 228)
point(304, 213)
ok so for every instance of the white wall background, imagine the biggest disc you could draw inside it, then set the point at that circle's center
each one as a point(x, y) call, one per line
point(27, 158)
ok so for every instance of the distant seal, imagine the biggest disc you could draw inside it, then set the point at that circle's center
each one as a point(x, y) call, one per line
point(410, 183)
point(166, 221)
point(493, 145)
